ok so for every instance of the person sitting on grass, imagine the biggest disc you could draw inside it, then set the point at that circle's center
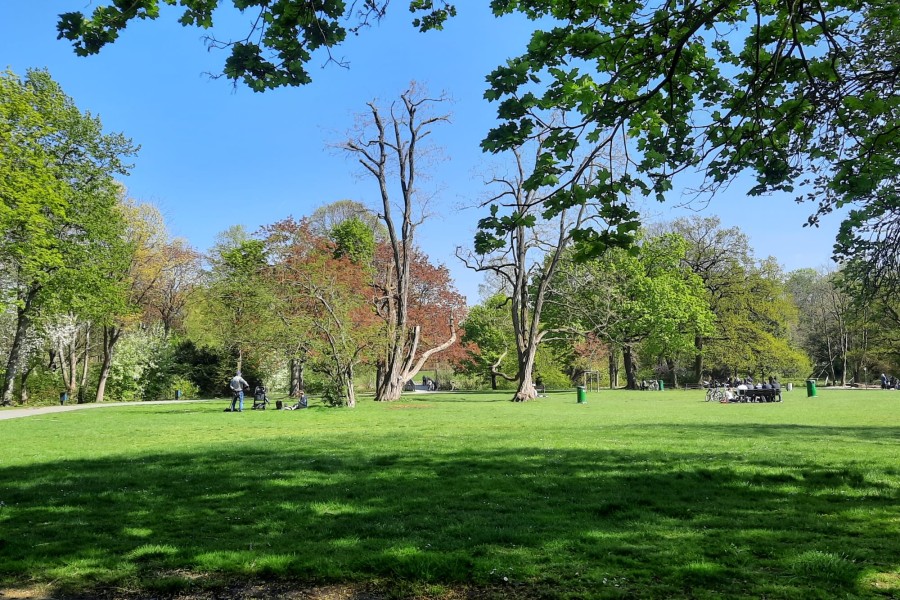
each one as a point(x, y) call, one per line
point(301, 402)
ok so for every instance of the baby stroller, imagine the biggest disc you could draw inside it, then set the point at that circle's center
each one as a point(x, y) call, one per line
point(260, 399)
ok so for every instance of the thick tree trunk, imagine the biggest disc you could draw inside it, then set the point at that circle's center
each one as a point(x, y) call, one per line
point(526, 389)
point(630, 367)
point(493, 380)
point(671, 364)
point(392, 384)
point(23, 322)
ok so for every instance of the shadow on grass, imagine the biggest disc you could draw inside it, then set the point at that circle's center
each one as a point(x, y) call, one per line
point(562, 522)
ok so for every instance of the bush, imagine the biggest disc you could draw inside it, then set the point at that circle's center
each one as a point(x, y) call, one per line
point(186, 386)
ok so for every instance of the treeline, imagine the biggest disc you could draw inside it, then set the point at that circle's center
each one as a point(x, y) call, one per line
point(691, 303)
point(101, 302)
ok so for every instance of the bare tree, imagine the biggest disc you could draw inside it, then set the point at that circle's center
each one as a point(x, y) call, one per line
point(388, 143)
point(524, 251)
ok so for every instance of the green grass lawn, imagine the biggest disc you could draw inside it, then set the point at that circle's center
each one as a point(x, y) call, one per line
point(632, 495)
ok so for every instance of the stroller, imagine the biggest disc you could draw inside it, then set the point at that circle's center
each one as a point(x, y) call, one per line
point(260, 399)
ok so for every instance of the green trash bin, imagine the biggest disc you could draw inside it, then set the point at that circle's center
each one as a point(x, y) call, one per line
point(810, 388)
point(661, 384)
point(581, 394)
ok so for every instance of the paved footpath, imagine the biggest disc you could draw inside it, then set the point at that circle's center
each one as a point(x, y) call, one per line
point(15, 413)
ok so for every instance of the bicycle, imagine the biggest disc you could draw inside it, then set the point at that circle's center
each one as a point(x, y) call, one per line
point(715, 395)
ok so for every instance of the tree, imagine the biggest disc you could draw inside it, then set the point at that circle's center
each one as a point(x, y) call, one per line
point(489, 339)
point(754, 328)
point(323, 304)
point(803, 96)
point(238, 299)
point(139, 275)
point(354, 239)
point(274, 52)
point(524, 249)
point(793, 93)
point(326, 218)
point(180, 277)
point(721, 258)
point(392, 140)
point(629, 299)
point(58, 202)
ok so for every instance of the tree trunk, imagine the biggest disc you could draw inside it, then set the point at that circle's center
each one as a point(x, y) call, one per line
point(526, 389)
point(110, 337)
point(82, 385)
point(72, 359)
point(698, 359)
point(493, 380)
point(23, 322)
point(671, 364)
point(630, 367)
point(294, 388)
point(349, 392)
point(23, 381)
point(392, 385)
point(613, 369)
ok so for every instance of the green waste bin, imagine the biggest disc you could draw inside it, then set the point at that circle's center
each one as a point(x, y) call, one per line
point(810, 388)
point(661, 384)
point(582, 394)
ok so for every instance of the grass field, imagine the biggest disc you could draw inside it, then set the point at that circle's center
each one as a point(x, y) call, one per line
point(632, 495)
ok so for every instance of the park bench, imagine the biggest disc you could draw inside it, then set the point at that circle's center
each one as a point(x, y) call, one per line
point(753, 395)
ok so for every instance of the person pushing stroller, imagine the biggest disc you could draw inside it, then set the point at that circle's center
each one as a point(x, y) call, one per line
point(237, 385)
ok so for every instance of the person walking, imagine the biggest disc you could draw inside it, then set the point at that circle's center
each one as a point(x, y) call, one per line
point(237, 385)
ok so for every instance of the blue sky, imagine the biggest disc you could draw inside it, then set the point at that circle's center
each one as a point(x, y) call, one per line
point(214, 156)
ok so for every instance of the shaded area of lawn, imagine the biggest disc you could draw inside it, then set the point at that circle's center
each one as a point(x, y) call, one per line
point(564, 522)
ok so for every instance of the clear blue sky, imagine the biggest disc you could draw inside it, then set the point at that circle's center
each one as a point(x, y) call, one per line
point(213, 156)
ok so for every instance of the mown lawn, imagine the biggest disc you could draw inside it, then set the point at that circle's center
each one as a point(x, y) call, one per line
point(632, 495)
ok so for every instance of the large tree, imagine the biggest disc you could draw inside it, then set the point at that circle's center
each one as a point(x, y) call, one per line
point(802, 94)
point(57, 203)
point(138, 273)
point(721, 258)
point(323, 304)
point(523, 248)
point(388, 141)
point(645, 298)
point(236, 301)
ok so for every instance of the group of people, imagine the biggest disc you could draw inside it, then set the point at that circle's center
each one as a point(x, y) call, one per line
point(746, 383)
point(888, 382)
point(260, 395)
point(735, 389)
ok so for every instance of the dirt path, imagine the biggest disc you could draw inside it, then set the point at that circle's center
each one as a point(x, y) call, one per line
point(15, 413)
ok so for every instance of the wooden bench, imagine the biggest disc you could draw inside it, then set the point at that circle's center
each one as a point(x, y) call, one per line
point(753, 395)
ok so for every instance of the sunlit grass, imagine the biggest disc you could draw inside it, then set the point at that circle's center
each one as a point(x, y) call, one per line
point(635, 494)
